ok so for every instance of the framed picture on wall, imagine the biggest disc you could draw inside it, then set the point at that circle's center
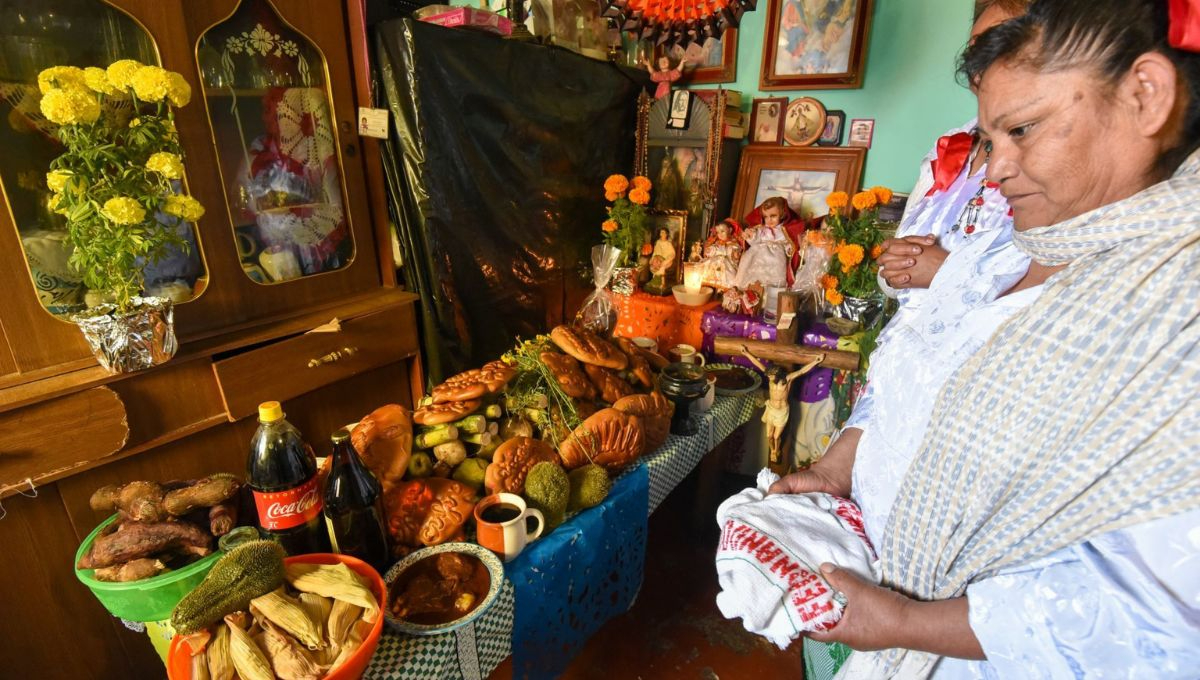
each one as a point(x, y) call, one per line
point(805, 122)
point(862, 132)
point(710, 59)
point(815, 44)
point(804, 176)
point(766, 120)
point(835, 124)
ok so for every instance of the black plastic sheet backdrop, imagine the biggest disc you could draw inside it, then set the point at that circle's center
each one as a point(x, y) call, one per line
point(495, 173)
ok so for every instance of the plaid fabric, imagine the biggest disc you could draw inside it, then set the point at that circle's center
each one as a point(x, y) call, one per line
point(680, 455)
point(822, 660)
point(1079, 416)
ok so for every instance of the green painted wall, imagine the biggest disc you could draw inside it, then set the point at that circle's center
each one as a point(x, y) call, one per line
point(909, 89)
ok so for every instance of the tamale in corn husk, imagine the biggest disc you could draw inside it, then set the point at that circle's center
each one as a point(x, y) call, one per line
point(342, 617)
point(289, 660)
point(317, 608)
point(248, 659)
point(352, 643)
point(289, 615)
point(220, 665)
point(337, 581)
point(200, 667)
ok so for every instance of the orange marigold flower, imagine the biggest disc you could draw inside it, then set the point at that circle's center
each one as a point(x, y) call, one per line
point(837, 200)
point(876, 252)
point(833, 297)
point(882, 194)
point(849, 255)
point(609, 226)
point(819, 239)
point(829, 282)
point(639, 196)
point(642, 183)
point(616, 184)
point(611, 196)
point(864, 200)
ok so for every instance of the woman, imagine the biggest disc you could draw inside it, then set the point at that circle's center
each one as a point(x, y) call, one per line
point(1049, 523)
point(661, 262)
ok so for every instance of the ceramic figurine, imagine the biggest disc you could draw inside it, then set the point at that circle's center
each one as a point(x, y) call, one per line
point(661, 263)
point(776, 411)
point(722, 252)
point(664, 76)
point(697, 252)
point(768, 248)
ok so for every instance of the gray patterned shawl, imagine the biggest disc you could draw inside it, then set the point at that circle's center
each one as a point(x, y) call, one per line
point(1079, 416)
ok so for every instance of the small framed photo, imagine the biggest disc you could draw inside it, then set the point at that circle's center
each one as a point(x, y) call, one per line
point(680, 116)
point(862, 131)
point(766, 120)
point(668, 233)
point(805, 121)
point(835, 125)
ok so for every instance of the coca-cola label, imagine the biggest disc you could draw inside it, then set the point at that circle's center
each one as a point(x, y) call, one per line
point(279, 510)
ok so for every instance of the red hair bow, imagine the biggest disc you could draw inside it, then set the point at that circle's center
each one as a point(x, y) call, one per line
point(1184, 33)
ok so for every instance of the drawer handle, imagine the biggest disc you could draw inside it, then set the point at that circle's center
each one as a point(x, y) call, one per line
point(333, 356)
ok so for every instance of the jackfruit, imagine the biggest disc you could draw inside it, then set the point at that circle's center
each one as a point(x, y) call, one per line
point(589, 487)
point(244, 573)
point(547, 489)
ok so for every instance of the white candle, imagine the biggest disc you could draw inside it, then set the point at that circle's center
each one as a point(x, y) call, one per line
point(693, 277)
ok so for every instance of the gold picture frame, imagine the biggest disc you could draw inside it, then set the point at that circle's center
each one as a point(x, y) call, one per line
point(675, 222)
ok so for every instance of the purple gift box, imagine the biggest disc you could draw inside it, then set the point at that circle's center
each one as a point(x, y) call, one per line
point(720, 322)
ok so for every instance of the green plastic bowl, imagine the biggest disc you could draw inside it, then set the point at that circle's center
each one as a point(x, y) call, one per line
point(150, 599)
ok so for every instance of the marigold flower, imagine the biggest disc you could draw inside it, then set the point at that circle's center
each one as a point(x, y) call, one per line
point(639, 196)
point(819, 239)
point(882, 194)
point(829, 282)
point(123, 210)
point(96, 80)
point(876, 252)
point(120, 73)
point(166, 164)
point(864, 200)
point(184, 207)
point(135, 122)
point(616, 184)
point(178, 90)
point(61, 77)
point(837, 200)
point(150, 83)
point(611, 196)
point(70, 106)
point(57, 180)
point(849, 254)
point(643, 183)
point(610, 226)
point(833, 297)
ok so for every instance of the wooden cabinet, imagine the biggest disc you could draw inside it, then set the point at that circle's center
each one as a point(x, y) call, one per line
point(66, 426)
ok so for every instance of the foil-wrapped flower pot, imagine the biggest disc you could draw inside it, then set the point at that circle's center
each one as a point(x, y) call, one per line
point(132, 341)
point(624, 281)
point(855, 314)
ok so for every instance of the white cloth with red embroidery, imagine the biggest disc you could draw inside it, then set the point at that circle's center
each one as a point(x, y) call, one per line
point(770, 554)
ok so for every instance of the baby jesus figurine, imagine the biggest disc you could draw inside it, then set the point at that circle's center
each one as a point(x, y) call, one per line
point(775, 414)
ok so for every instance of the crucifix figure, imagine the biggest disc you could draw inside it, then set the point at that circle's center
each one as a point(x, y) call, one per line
point(775, 414)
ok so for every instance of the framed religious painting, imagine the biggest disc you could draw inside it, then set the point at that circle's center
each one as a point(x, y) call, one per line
point(803, 176)
point(766, 120)
point(710, 58)
point(804, 122)
point(683, 163)
point(815, 44)
point(835, 124)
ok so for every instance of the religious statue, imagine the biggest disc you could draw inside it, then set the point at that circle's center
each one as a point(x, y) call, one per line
point(664, 76)
point(661, 263)
point(777, 409)
point(768, 248)
point(722, 251)
point(697, 252)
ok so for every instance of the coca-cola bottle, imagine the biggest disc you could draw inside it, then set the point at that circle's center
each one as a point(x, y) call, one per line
point(282, 474)
point(354, 506)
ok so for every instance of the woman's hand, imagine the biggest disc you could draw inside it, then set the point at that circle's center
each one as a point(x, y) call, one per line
point(911, 262)
point(831, 474)
point(874, 617)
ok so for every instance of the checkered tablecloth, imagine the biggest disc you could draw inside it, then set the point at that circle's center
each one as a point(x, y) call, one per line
point(475, 650)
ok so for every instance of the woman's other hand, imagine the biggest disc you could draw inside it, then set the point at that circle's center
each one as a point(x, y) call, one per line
point(829, 475)
point(874, 617)
point(911, 262)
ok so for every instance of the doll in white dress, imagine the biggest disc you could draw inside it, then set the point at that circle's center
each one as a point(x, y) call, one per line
point(768, 248)
point(722, 252)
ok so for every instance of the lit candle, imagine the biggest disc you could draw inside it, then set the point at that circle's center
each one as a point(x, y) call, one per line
point(693, 276)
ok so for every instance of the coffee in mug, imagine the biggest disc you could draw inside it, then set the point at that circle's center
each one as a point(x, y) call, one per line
point(501, 524)
point(686, 354)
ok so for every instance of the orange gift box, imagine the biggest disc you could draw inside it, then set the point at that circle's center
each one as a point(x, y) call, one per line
point(661, 318)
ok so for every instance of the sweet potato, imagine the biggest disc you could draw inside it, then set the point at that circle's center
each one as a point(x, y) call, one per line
point(203, 494)
point(135, 540)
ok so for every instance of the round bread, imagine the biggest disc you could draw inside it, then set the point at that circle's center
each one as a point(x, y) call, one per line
point(512, 462)
point(384, 440)
point(475, 383)
point(611, 439)
point(446, 412)
point(610, 384)
point(570, 378)
point(427, 512)
point(588, 347)
point(639, 366)
point(655, 410)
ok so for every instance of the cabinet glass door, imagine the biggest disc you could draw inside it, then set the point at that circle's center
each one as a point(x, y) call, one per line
point(35, 35)
point(265, 86)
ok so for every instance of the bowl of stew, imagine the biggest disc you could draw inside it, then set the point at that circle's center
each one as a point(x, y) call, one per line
point(442, 587)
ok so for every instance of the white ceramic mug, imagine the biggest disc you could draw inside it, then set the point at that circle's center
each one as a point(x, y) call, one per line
point(649, 344)
point(704, 403)
point(687, 354)
point(501, 526)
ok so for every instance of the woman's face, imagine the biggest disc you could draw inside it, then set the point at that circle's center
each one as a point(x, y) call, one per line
point(1062, 144)
point(663, 234)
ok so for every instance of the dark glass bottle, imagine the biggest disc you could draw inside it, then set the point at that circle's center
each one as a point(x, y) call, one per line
point(282, 474)
point(354, 507)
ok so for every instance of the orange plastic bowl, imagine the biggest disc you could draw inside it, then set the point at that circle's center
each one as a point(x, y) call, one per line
point(179, 663)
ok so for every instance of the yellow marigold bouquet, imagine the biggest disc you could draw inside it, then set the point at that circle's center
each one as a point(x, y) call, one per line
point(854, 238)
point(625, 227)
point(117, 183)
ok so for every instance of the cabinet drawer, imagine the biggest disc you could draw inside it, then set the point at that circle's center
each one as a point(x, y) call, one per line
point(292, 367)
